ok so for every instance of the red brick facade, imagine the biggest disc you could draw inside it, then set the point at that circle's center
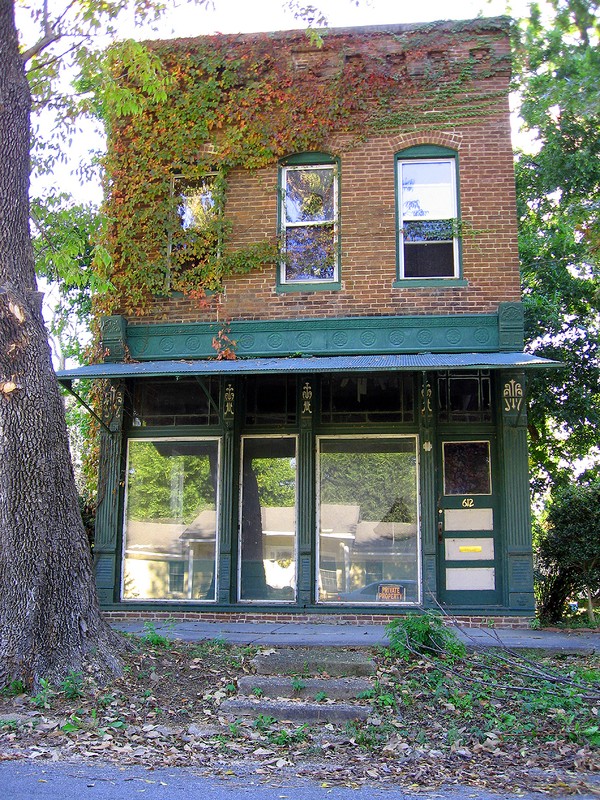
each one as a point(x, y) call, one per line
point(368, 225)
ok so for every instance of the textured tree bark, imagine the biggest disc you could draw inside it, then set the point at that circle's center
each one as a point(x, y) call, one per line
point(50, 621)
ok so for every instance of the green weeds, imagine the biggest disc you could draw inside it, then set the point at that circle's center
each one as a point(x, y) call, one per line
point(152, 638)
point(423, 634)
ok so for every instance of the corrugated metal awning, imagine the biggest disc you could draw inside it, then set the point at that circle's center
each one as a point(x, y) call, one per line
point(257, 366)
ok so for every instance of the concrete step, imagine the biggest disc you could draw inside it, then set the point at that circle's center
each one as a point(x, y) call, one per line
point(311, 661)
point(303, 688)
point(301, 711)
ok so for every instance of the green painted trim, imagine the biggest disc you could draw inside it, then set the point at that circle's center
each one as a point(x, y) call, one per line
point(426, 151)
point(307, 158)
point(109, 519)
point(438, 283)
point(322, 286)
point(464, 333)
point(113, 337)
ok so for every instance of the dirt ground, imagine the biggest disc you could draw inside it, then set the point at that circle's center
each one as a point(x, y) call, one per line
point(492, 721)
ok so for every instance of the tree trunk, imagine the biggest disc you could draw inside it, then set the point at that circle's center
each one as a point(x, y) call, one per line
point(50, 621)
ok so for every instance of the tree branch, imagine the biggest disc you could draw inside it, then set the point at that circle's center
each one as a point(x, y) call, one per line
point(51, 33)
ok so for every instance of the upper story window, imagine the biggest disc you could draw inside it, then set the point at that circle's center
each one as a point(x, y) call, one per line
point(196, 237)
point(309, 220)
point(428, 214)
point(196, 204)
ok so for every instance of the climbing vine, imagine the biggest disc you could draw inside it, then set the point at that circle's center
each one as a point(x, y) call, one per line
point(208, 106)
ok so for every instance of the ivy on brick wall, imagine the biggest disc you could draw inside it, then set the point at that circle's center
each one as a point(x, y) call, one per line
point(211, 105)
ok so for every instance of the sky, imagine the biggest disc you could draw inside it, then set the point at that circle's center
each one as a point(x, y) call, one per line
point(234, 16)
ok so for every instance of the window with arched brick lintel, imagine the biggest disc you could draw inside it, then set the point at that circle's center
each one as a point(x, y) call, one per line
point(428, 216)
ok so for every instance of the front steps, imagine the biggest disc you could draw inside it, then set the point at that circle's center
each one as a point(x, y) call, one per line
point(306, 685)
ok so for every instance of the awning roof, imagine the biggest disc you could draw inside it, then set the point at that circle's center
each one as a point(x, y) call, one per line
point(302, 364)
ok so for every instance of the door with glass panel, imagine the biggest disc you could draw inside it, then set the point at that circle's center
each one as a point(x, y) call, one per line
point(468, 524)
point(171, 519)
point(267, 532)
point(368, 521)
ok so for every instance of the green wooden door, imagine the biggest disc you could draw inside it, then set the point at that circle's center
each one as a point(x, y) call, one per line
point(468, 522)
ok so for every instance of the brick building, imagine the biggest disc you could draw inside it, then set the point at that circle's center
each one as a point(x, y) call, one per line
point(365, 451)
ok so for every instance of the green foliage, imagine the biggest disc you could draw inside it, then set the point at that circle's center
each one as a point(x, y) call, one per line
point(72, 685)
point(150, 485)
point(558, 70)
point(569, 548)
point(72, 725)
point(298, 684)
point(263, 722)
point(423, 634)
point(13, 689)
point(285, 738)
point(152, 638)
point(363, 479)
point(43, 699)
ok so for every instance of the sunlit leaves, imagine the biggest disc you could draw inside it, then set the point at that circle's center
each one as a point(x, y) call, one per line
point(559, 228)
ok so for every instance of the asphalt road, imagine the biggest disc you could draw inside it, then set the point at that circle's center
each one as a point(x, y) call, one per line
point(26, 780)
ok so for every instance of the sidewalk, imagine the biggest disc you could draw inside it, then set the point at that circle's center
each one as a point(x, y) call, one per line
point(278, 634)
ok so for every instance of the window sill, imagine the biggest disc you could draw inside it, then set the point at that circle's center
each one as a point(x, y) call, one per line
point(434, 283)
point(330, 286)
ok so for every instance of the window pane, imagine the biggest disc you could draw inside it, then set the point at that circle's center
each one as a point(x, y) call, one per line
point(196, 202)
point(467, 468)
point(268, 520)
point(465, 398)
point(310, 253)
point(435, 230)
point(368, 542)
point(270, 400)
point(176, 402)
point(430, 260)
point(427, 190)
point(367, 398)
point(170, 521)
point(309, 194)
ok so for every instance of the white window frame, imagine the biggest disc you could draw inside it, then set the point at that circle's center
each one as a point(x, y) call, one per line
point(186, 601)
point(334, 222)
point(454, 213)
point(239, 600)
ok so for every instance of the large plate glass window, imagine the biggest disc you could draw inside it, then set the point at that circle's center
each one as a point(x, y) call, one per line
point(428, 211)
point(368, 520)
point(308, 215)
point(170, 535)
point(267, 548)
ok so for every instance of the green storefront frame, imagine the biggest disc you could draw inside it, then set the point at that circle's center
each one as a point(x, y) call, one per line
point(514, 594)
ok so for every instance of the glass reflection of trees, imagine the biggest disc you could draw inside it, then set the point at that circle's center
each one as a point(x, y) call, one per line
point(309, 223)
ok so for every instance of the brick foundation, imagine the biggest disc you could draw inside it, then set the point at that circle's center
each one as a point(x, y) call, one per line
point(500, 622)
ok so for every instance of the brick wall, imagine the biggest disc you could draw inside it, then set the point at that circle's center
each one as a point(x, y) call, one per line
point(339, 618)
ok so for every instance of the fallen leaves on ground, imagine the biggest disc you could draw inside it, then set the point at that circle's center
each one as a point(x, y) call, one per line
point(428, 727)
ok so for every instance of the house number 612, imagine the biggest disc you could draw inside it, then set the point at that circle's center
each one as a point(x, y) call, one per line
point(468, 502)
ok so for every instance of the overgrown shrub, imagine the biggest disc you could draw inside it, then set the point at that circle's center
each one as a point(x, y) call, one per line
point(423, 634)
point(568, 557)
